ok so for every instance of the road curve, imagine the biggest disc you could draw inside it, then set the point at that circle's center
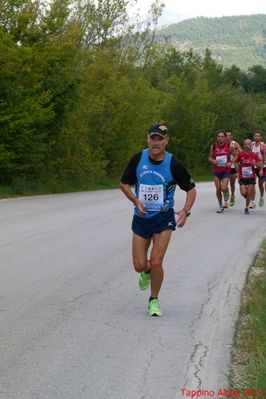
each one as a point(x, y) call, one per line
point(73, 323)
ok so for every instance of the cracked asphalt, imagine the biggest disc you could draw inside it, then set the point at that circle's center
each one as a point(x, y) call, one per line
point(73, 323)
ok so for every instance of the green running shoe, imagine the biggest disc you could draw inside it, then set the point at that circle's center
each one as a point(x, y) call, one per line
point(144, 280)
point(261, 203)
point(154, 308)
point(226, 196)
point(232, 200)
point(220, 209)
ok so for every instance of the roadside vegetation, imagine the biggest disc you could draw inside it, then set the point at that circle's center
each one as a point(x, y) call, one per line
point(39, 188)
point(25, 188)
point(249, 353)
point(81, 84)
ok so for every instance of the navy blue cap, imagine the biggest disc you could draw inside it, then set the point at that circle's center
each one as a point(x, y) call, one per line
point(160, 130)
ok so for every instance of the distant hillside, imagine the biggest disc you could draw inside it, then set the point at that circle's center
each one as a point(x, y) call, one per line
point(238, 40)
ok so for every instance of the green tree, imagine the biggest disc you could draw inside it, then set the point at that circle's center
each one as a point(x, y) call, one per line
point(254, 80)
point(39, 77)
point(117, 107)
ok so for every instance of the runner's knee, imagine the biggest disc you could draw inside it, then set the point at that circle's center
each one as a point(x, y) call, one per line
point(139, 265)
point(156, 262)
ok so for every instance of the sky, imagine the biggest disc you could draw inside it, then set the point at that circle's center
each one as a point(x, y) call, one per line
point(178, 10)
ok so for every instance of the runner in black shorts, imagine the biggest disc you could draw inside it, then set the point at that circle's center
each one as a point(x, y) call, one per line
point(155, 174)
point(247, 161)
point(246, 182)
point(259, 148)
point(234, 148)
point(219, 157)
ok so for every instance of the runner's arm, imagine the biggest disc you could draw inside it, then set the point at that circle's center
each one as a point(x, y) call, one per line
point(126, 189)
point(259, 165)
point(190, 199)
point(186, 183)
point(182, 214)
point(211, 157)
point(128, 179)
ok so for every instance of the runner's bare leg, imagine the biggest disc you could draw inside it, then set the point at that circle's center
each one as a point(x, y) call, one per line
point(160, 244)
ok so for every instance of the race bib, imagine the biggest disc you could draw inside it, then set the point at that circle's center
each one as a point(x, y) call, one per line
point(222, 160)
point(152, 196)
point(247, 171)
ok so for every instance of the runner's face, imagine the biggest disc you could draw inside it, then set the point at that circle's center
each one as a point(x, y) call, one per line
point(220, 138)
point(157, 144)
point(257, 137)
point(247, 145)
point(228, 136)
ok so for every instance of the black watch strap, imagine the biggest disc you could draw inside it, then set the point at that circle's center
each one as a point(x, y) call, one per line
point(187, 212)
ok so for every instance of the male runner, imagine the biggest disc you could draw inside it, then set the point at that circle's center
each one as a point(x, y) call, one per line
point(155, 173)
point(220, 158)
point(248, 161)
point(234, 148)
point(264, 168)
point(258, 147)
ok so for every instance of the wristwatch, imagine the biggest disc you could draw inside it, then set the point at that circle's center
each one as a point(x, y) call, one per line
point(187, 212)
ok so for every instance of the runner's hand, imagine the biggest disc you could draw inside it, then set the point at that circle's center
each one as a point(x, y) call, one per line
point(140, 207)
point(181, 219)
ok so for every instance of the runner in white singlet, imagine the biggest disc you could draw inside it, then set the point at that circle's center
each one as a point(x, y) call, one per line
point(258, 147)
point(235, 148)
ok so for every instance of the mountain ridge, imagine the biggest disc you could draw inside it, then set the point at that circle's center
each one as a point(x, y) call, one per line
point(236, 40)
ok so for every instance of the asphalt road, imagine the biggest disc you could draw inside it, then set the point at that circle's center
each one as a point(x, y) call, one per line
point(73, 323)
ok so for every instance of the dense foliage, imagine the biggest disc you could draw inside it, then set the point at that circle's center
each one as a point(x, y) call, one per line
point(80, 86)
point(239, 40)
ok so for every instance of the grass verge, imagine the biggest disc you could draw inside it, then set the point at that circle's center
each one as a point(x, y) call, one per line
point(22, 187)
point(249, 352)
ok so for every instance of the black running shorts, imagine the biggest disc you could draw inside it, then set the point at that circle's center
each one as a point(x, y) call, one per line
point(246, 182)
point(146, 227)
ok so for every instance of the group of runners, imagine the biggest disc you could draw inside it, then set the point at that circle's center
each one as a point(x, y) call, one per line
point(231, 162)
point(155, 173)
